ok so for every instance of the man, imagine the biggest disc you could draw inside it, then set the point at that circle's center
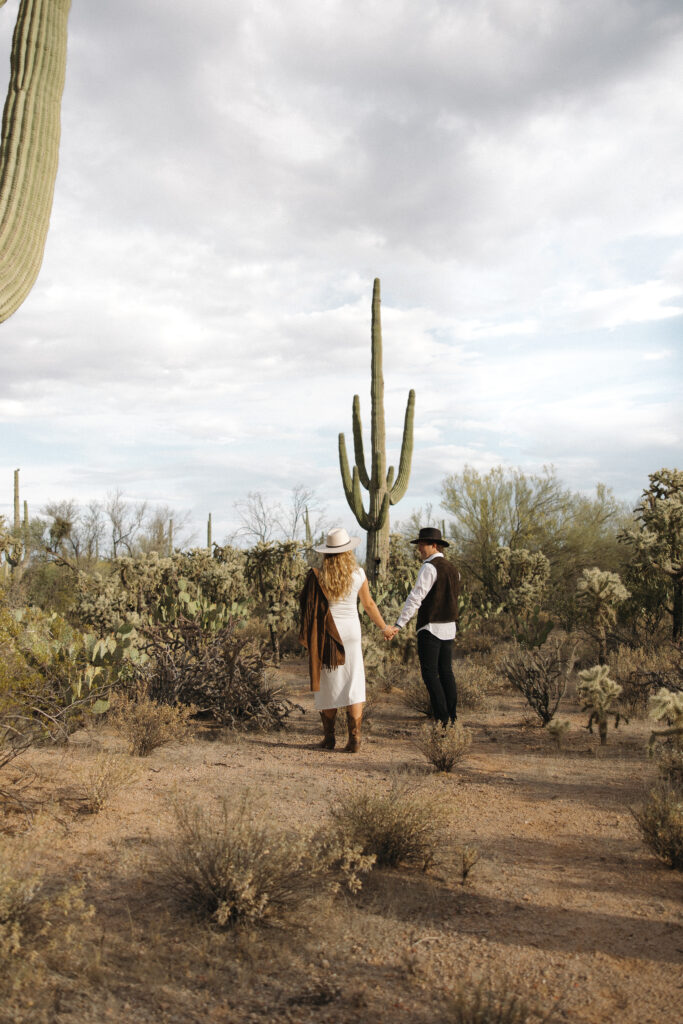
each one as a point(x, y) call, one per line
point(435, 599)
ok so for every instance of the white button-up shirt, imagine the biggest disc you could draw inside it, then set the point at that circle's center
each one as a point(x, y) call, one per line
point(426, 578)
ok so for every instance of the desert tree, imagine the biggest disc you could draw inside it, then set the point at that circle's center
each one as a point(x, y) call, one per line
point(657, 539)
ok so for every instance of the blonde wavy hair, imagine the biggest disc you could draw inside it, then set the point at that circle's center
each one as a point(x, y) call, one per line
point(336, 574)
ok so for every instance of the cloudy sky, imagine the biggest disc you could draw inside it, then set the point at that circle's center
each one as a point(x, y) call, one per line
point(233, 175)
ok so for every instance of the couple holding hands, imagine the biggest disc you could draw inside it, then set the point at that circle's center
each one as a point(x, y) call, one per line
point(330, 629)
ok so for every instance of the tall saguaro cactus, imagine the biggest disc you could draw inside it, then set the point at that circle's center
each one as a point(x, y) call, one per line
point(19, 552)
point(379, 482)
point(29, 148)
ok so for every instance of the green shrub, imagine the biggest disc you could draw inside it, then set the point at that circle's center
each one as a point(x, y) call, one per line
point(396, 826)
point(660, 821)
point(443, 746)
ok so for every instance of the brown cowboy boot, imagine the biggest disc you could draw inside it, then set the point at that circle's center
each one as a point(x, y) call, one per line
point(328, 718)
point(353, 725)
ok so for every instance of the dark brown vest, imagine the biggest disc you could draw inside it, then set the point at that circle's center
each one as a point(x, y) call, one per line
point(441, 603)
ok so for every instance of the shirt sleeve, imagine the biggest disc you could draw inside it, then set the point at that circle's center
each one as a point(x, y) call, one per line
point(426, 578)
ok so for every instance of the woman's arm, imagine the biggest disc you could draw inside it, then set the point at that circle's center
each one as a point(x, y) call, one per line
point(371, 608)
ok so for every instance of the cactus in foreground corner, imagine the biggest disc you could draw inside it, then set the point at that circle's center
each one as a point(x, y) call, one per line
point(29, 149)
point(379, 482)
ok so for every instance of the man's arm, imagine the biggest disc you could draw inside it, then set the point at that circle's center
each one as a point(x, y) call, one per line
point(426, 578)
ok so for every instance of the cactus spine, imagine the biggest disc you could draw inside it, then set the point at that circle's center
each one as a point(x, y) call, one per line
point(379, 482)
point(29, 149)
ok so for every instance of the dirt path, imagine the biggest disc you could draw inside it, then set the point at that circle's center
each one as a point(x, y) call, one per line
point(564, 901)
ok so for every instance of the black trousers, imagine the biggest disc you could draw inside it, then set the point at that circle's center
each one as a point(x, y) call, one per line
point(437, 674)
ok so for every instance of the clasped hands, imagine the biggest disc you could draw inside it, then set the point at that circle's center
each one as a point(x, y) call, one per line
point(389, 632)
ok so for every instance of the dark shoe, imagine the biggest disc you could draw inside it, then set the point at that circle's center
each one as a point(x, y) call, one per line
point(328, 728)
point(353, 724)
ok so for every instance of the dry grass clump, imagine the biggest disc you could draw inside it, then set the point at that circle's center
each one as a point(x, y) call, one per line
point(145, 724)
point(228, 869)
point(660, 821)
point(39, 926)
point(414, 695)
point(475, 683)
point(443, 746)
point(395, 826)
point(103, 779)
point(490, 1002)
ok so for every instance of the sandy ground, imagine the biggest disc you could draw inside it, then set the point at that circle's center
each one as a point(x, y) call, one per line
point(565, 902)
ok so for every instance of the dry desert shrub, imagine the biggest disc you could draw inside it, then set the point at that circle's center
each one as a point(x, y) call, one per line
point(103, 779)
point(443, 746)
point(660, 821)
point(145, 724)
point(491, 1002)
point(473, 680)
point(641, 672)
point(395, 826)
point(40, 926)
point(475, 683)
point(228, 869)
point(540, 675)
point(670, 766)
point(414, 695)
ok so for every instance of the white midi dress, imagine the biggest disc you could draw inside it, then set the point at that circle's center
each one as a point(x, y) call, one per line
point(345, 685)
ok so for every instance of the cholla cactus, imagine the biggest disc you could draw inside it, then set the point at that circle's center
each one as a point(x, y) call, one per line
point(667, 705)
point(600, 593)
point(557, 730)
point(30, 144)
point(384, 491)
point(599, 692)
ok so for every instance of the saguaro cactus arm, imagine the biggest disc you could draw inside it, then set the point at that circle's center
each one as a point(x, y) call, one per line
point(358, 443)
point(29, 147)
point(400, 487)
point(352, 487)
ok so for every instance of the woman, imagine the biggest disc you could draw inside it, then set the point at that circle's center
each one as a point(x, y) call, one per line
point(330, 629)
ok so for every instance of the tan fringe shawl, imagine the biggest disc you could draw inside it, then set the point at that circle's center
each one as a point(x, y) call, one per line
point(318, 631)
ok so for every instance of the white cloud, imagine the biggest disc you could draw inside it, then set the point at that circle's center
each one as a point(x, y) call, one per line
point(233, 177)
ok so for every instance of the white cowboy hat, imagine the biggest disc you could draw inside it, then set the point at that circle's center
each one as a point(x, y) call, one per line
point(337, 541)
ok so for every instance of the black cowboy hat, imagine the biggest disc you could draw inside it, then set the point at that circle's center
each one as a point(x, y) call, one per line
point(430, 535)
